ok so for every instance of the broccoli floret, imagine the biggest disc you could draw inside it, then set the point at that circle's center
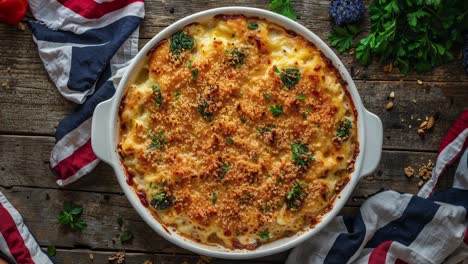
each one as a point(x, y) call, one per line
point(347, 11)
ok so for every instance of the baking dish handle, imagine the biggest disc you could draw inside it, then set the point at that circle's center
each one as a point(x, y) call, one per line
point(100, 131)
point(373, 144)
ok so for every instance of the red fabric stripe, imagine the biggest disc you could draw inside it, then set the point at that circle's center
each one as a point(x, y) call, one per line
point(460, 125)
point(13, 238)
point(379, 254)
point(92, 10)
point(75, 162)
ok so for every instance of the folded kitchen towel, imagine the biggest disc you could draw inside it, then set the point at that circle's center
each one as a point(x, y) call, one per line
point(84, 45)
point(391, 227)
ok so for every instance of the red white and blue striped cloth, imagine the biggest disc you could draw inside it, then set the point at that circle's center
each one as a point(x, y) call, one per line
point(398, 228)
point(84, 45)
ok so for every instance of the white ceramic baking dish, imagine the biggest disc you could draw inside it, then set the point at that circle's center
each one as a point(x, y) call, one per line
point(105, 137)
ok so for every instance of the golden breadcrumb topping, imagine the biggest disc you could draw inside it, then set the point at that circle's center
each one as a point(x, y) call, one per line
point(237, 132)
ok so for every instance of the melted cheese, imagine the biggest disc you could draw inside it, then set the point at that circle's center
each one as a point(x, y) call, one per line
point(227, 180)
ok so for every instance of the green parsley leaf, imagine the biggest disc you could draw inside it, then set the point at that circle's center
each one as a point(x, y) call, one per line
point(267, 96)
point(161, 201)
point(203, 110)
point(264, 235)
point(243, 119)
point(224, 170)
point(120, 221)
point(289, 77)
point(283, 7)
point(71, 216)
point(158, 95)
point(214, 198)
point(190, 64)
point(194, 73)
point(125, 236)
point(276, 110)
point(236, 57)
point(252, 26)
point(301, 97)
point(343, 128)
point(51, 251)
point(180, 42)
point(295, 197)
point(177, 96)
point(230, 140)
point(158, 141)
point(342, 37)
point(301, 154)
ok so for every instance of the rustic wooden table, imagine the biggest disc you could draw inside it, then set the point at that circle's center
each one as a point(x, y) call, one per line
point(31, 107)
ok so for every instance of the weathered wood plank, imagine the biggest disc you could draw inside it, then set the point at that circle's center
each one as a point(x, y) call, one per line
point(83, 256)
point(24, 162)
point(40, 207)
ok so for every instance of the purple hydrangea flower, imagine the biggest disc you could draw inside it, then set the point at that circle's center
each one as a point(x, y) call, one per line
point(347, 11)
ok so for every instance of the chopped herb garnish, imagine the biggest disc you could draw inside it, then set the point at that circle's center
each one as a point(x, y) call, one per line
point(230, 140)
point(246, 197)
point(301, 97)
point(241, 94)
point(224, 170)
point(71, 216)
point(265, 129)
point(194, 73)
point(203, 110)
point(301, 155)
point(304, 116)
point(214, 198)
point(180, 42)
point(295, 196)
point(237, 57)
point(161, 201)
point(177, 96)
point(278, 181)
point(158, 95)
point(266, 208)
point(190, 64)
point(264, 235)
point(125, 236)
point(343, 128)
point(252, 26)
point(276, 110)
point(51, 251)
point(267, 96)
point(158, 141)
point(289, 77)
point(243, 119)
point(233, 35)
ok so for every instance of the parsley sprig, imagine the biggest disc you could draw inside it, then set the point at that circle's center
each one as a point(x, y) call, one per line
point(301, 154)
point(343, 128)
point(283, 7)
point(180, 42)
point(289, 77)
point(71, 216)
point(158, 141)
point(342, 37)
point(295, 197)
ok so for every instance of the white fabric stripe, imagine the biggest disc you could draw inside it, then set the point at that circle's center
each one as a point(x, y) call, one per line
point(83, 171)
point(445, 156)
point(364, 256)
point(56, 16)
point(71, 142)
point(436, 243)
point(34, 250)
point(461, 175)
point(377, 214)
point(458, 255)
point(4, 247)
point(321, 243)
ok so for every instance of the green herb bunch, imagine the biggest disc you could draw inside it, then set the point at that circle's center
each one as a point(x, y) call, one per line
point(409, 34)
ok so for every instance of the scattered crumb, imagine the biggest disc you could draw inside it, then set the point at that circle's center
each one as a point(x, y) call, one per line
point(91, 256)
point(391, 95)
point(389, 106)
point(388, 68)
point(204, 260)
point(426, 125)
point(409, 172)
point(421, 132)
point(351, 51)
point(357, 72)
point(5, 85)
point(419, 82)
point(148, 261)
point(117, 257)
point(21, 26)
point(409, 126)
point(420, 183)
point(414, 101)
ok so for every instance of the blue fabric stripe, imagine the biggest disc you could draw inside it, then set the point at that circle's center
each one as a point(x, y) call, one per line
point(105, 90)
point(453, 196)
point(405, 229)
point(347, 244)
point(93, 36)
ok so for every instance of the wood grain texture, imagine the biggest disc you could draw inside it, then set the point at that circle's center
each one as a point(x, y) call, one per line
point(15, 172)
